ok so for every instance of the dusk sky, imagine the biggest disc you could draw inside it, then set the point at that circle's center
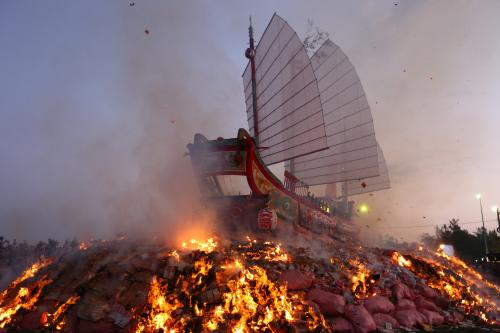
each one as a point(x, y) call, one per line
point(99, 99)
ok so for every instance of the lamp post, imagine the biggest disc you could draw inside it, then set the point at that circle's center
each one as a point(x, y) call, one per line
point(478, 196)
point(494, 209)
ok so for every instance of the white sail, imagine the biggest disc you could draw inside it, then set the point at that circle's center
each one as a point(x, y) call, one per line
point(289, 112)
point(352, 152)
point(367, 185)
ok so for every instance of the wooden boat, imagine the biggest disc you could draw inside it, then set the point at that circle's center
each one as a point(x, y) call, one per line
point(310, 113)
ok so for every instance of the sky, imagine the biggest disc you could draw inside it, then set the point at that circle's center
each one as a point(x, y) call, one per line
point(99, 99)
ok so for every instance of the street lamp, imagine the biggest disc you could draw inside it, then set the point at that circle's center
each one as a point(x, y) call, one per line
point(478, 196)
point(495, 209)
point(363, 209)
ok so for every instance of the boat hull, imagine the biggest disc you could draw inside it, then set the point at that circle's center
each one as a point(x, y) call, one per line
point(240, 156)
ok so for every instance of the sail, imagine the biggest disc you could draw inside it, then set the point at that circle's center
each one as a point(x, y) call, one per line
point(331, 191)
point(381, 182)
point(352, 152)
point(289, 112)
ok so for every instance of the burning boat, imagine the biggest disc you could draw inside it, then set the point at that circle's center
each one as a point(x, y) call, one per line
point(258, 285)
point(312, 114)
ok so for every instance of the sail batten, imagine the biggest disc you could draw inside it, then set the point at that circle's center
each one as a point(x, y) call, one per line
point(314, 107)
point(306, 86)
point(289, 110)
point(353, 160)
point(347, 116)
point(295, 146)
point(325, 75)
point(317, 115)
point(352, 171)
point(372, 184)
point(355, 155)
point(349, 129)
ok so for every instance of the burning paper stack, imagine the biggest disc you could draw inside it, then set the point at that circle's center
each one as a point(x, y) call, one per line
point(246, 285)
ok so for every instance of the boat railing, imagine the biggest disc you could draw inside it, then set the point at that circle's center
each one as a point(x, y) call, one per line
point(295, 185)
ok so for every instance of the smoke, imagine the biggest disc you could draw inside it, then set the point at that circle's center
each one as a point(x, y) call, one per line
point(97, 145)
point(95, 112)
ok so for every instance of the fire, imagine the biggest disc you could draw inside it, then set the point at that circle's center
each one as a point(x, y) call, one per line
point(27, 274)
point(267, 251)
point(400, 260)
point(361, 280)
point(455, 279)
point(26, 298)
point(468, 270)
point(255, 300)
point(202, 268)
point(162, 307)
point(175, 255)
point(276, 253)
point(23, 292)
point(207, 246)
point(233, 295)
point(83, 246)
point(51, 319)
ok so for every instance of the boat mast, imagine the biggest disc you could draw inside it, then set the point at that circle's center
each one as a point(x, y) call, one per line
point(250, 54)
point(344, 198)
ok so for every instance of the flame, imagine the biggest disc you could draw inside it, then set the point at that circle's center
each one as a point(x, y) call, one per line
point(27, 274)
point(468, 270)
point(51, 319)
point(400, 260)
point(252, 291)
point(267, 251)
point(360, 281)
point(175, 255)
point(26, 298)
point(207, 246)
point(83, 246)
point(463, 285)
point(202, 267)
point(162, 307)
point(244, 299)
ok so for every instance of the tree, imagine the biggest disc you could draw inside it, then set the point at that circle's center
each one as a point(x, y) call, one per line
point(429, 241)
point(468, 246)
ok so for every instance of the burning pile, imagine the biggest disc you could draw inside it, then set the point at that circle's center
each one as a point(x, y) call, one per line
point(245, 286)
point(203, 290)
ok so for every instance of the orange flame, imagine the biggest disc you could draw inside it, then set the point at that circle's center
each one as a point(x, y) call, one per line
point(25, 299)
point(205, 246)
point(252, 291)
point(51, 319)
point(160, 316)
point(400, 260)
